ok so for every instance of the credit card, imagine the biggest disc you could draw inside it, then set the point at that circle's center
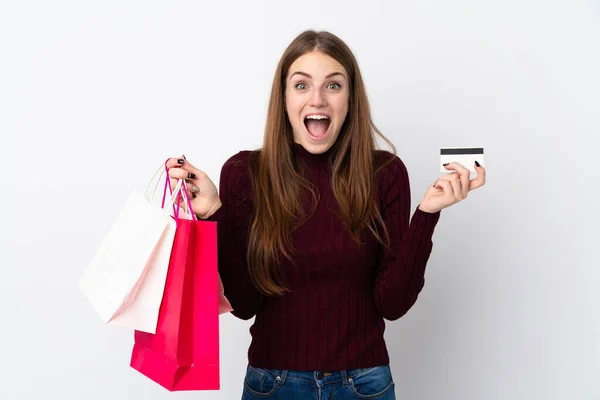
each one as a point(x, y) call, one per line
point(465, 156)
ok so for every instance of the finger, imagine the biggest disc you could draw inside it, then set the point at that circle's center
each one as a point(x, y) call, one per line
point(189, 180)
point(479, 180)
point(464, 175)
point(447, 188)
point(454, 185)
point(182, 162)
point(458, 167)
point(448, 177)
point(181, 173)
point(456, 190)
point(191, 195)
point(176, 162)
point(191, 187)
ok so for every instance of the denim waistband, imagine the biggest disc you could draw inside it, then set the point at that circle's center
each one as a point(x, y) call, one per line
point(321, 377)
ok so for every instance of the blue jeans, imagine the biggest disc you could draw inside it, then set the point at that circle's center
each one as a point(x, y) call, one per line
point(362, 383)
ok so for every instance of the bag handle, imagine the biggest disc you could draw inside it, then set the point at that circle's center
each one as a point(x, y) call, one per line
point(174, 194)
point(181, 188)
point(160, 171)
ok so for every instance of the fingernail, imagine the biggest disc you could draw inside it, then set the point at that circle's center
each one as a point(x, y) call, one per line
point(183, 155)
point(193, 195)
point(445, 164)
point(180, 161)
point(191, 175)
point(476, 163)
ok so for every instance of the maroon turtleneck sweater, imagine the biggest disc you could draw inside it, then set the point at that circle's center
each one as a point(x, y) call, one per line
point(333, 318)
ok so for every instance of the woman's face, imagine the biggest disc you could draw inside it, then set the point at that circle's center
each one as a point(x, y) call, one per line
point(316, 100)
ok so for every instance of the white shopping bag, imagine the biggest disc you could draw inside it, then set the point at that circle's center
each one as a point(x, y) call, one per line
point(125, 280)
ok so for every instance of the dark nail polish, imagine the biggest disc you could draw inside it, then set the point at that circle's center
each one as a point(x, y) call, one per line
point(191, 175)
point(180, 161)
point(193, 195)
point(445, 164)
point(476, 163)
point(183, 155)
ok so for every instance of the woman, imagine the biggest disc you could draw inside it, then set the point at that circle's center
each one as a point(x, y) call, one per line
point(314, 234)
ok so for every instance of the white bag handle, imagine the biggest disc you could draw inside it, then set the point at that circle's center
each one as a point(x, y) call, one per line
point(175, 193)
point(161, 171)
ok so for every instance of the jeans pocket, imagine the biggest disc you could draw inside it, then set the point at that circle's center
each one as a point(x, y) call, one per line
point(372, 382)
point(260, 382)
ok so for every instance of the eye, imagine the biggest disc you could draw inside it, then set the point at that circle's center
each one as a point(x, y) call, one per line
point(301, 86)
point(334, 85)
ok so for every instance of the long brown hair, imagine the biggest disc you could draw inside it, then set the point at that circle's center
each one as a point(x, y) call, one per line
point(279, 184)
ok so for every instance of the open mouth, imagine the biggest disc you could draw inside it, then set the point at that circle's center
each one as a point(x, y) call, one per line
point(317, 126)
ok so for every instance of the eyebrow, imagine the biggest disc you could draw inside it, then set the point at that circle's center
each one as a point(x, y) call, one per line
point(310, 77)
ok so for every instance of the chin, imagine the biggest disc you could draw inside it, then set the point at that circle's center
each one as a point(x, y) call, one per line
point(318, 148)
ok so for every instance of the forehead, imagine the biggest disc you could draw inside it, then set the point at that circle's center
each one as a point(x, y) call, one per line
point(316, 64)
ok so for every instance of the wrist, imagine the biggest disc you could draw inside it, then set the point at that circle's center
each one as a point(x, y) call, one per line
point(427, 209)
point(212, 210)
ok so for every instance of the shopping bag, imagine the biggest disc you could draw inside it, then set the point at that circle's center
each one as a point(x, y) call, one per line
point(224, 304)
point(125, 280)
point(183, 354)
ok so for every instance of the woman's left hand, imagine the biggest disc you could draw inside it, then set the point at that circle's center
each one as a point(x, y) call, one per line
point(452, 188)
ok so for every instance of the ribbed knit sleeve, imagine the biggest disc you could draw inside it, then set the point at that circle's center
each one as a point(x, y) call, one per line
point(400, 274)
point(233, 226)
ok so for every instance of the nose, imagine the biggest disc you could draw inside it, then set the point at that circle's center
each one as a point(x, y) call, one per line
point(317, 99)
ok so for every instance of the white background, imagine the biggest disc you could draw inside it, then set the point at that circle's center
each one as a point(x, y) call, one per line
point(94, 95)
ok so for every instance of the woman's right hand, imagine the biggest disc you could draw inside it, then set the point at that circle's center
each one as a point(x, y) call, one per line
point(201, 190)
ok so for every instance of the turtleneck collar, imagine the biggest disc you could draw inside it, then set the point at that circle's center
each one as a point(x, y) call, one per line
point(312, 160)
